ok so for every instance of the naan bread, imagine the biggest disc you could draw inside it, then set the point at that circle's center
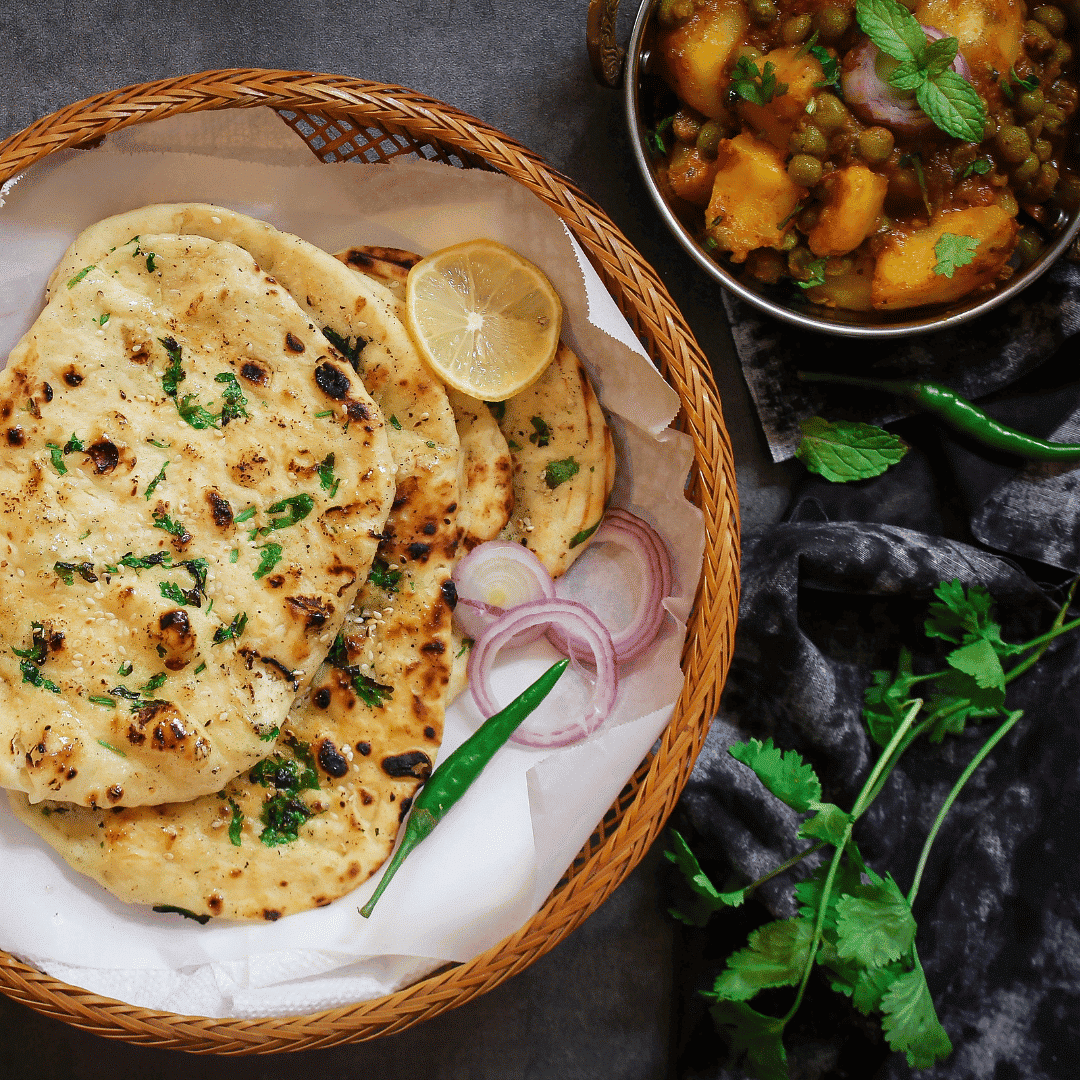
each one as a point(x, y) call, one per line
point(562, 454)
point(487, 494)
point(564, 463)
point(367, 732)
point(188, 514)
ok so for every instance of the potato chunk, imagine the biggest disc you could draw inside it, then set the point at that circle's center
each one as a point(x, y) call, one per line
point(776, 120)
point(988, 31)
point(752, 198)
point(904, 276)
point(851, 213)
point(695, 54)
point(849, 290)
point(690, 174)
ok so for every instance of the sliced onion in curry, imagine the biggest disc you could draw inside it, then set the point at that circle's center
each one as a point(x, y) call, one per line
point(867, 93)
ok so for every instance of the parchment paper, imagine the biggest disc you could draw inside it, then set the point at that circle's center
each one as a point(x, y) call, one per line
point(496, 856)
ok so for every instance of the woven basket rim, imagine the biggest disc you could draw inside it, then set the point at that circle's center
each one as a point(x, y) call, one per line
point(707, 653)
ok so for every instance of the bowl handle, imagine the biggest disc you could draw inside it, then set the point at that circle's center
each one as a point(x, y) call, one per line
point(605, 53)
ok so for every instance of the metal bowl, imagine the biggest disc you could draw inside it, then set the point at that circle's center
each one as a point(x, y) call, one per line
point(779, 301)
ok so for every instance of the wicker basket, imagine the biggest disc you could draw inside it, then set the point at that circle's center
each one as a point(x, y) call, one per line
point(349, 119)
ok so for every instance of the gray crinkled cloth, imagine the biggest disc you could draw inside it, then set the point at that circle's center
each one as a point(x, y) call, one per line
point(975, 359)
point(999, 907)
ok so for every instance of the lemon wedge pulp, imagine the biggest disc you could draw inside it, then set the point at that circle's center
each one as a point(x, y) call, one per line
point(485, 319)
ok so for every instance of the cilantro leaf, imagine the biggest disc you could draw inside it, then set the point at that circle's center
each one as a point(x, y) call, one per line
point(707, 897)
point(558, 472)
point(756, 87)
point(910, 1022)
point(830, 66)
point(952, 252)
point(887, 699)
point(981, 662)
point(872, 984)
point(828, 823)
point(775, 955)
point(815, 272)
point(783, 772)
point(236, 824)
point(874, 924)
point(753, 1036)
point(844, 450)
point(271, 556)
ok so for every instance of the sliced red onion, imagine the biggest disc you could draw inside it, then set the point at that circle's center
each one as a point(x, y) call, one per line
point(869, 95)
point(579, 621)
point(493, 577)
point(642, 540)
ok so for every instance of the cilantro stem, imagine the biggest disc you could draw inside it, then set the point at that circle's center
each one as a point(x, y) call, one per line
point(882, 768)
point(1040, 644)
point(965, 776)
point(784, 866)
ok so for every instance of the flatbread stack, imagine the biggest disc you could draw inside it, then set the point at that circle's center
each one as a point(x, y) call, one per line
point(285, 565)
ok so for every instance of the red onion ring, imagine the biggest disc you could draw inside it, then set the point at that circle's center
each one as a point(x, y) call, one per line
point(874, 101)
point(493, 577)
point(587, 628)
point(642, 540)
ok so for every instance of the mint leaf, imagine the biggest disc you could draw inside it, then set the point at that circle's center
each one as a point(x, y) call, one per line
point(753, 1037)
point(939, 55)
point(892, 28)
point(775, 955)
point(708, 897)
point(954, 105)
point(844, 450)
point(784, 773)
point(874, 923)
point(910, 1022)
point(953, 251)
point(909, 76)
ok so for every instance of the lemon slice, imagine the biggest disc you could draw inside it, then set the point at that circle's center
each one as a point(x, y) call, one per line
point(484, 318)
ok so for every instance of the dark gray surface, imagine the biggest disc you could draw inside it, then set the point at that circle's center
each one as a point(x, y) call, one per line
point(598, 1005)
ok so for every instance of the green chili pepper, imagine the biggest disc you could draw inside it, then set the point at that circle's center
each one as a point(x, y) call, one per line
point(451, 779)
point(959, 413)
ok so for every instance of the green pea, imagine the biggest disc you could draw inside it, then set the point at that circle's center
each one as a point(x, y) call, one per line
point(763, 12)
point(766, 265)
point(1048, 178)
point(875, 144)
point(1043, 148)
point(1034, 128)
point(1037, 38)
point(708, 139)
point(1053, 119)
point(1030, 103)
point(811, 140)
point(789, 240)
point(1068, 192)
point(685, 126)
point(1027, 170)
point(1013, 142)
point(829, 112)
point(796, 29)
point(799, 260)
point(1062, 54)
point(671, 12)
point(1028, 245)
point(832, 22)
point(809, 218)
point(804, 170)
point(1007, 201)
point(1053, 18)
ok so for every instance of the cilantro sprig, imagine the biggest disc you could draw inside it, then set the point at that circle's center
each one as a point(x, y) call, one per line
point(757, 87)
point(946, 97)
point(854, 922)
